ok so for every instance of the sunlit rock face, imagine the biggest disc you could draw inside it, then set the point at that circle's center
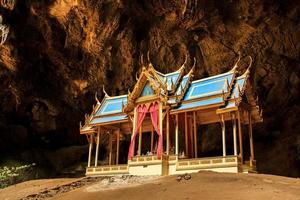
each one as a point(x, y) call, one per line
point(60, 52)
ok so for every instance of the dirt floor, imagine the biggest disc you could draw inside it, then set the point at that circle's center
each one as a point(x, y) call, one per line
point(203, 185)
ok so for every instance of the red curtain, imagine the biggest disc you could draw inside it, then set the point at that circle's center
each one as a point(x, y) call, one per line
point(142, 111)
point(154, 118)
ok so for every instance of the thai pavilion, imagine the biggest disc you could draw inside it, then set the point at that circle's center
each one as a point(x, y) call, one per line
point(159, 124)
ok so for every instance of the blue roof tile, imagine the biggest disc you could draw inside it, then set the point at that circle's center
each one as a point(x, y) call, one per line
point(112, 105)
point(199, 103)
point(108, 119)
point(208, 87)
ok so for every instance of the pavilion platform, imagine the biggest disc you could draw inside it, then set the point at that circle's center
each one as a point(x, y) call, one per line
point(169, 165)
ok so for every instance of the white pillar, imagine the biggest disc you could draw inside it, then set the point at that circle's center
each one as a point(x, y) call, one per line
point(240, 136)
point(140, 141)
point(176, 135)
point(118, 147)
point(195, 134)
point(168, 132)
point(90, 150)
point(234, 135)
point(223, 136)
point(97, 147)
point(110, 148)
point(186, 135)
point(161, 124)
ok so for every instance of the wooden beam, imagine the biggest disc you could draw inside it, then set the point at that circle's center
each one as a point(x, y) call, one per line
point(195, 134)
point(90, 150)
point(240, 135)
point(186, 135)
point(176, 134)
point(168, 132)
point(97, 147)
point(191, 135)
point(251, 140)
point(118, 146)
point(110, 149)
point(152, 138)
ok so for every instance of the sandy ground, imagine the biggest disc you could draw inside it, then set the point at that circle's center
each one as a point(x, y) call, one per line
point(203, 185)
point(31, 187)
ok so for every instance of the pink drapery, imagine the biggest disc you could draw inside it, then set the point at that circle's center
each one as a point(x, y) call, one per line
point(142, 111)
point(154, 118)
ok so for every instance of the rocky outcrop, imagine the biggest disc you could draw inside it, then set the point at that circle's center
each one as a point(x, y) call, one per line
point(59, 53)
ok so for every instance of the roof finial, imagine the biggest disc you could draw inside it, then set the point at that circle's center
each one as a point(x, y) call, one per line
point(239, 89)
point(195, 60)
point(193, 67)
point(96, 98)
point(129, 93)
point(183, 65)
point(235, 100)
point(123, 105)
point(149, 61)
point(247, 72)
point(103, 89)
point(142, 59)
point(236, 63)
point(172, 84)
point(181, 88)
point(148, 56)
point(223, 94)
point(227, 83)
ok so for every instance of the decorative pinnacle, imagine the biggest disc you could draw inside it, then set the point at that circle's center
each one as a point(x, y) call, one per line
point(96, 98)
point(239, 89)
point(193, 67)
point(172, 83)
point(142, 60)
point(236, 63)
point(247, 72)
point(181, 88)
point(223, 95)
point(103, 89)
point(227, 83)
point(183, 65)
point(148, 56)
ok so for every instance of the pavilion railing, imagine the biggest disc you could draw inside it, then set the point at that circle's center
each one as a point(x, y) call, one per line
point(107, 169)
point(205, 163)
point(144, 160)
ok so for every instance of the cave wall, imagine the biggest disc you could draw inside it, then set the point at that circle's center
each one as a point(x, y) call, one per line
point(60, 52)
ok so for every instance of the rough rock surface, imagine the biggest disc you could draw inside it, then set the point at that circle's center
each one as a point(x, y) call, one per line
point(60, 52)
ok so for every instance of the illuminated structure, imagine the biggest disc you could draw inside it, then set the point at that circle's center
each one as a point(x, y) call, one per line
point(160, 120)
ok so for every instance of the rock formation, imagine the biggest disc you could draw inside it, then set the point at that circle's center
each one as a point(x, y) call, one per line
point(59, 53)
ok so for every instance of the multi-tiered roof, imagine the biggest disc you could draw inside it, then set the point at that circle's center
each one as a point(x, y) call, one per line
point(224, 91)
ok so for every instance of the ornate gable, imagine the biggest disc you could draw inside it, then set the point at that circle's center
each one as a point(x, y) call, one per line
point(148, 84)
